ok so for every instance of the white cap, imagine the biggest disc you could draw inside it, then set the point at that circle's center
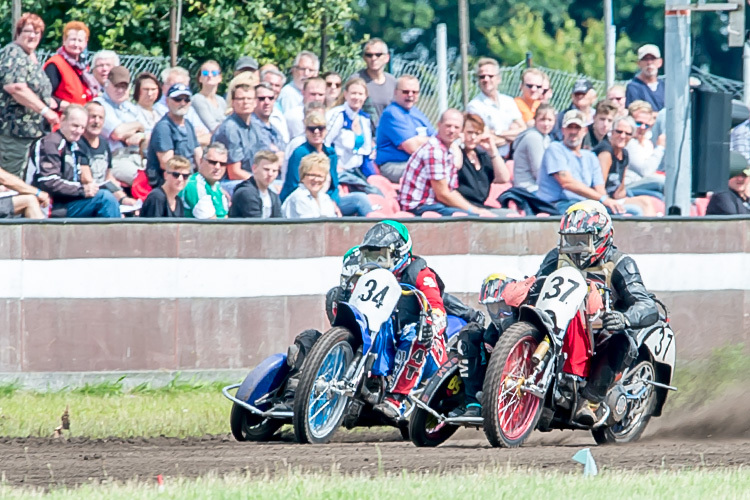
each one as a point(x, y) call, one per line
point(649, 50)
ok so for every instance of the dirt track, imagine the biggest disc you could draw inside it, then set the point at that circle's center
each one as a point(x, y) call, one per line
point(46, 462)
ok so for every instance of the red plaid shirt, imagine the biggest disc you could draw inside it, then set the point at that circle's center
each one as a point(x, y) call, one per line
point(432, 161)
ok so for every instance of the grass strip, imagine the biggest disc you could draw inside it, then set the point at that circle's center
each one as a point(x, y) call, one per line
point(700, 483)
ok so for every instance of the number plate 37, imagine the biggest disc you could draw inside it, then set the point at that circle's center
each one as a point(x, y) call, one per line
point(562, 294)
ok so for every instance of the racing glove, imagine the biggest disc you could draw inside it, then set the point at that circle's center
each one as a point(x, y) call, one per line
point(615, 321)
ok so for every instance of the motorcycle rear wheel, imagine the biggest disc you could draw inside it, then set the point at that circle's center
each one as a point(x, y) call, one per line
point(247, 426)
point(509, 415)
point(632, 427)
point(318, 411)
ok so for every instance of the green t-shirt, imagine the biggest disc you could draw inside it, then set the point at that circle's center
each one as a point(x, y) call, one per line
point(197, 188)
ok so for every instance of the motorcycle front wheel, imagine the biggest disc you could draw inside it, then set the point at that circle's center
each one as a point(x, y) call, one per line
point(510, 414)
point(319, 406)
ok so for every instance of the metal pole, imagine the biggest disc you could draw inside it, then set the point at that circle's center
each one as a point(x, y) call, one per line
point(173, 35)
point(746, 73)
point(463, 33)
point(609, 45)
point(16, 16)
point(442, 66)
point(677, 188)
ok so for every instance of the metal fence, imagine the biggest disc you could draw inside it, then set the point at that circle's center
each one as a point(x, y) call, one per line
point(136, 64)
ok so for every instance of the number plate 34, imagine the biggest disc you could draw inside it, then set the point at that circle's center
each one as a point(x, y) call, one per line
point(562, 294)
point(375, 296)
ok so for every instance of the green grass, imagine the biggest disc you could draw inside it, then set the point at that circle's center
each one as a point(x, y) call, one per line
point(466, 486)
point(181, 408)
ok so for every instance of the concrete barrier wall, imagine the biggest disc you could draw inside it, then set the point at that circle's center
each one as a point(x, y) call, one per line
point(145, 296)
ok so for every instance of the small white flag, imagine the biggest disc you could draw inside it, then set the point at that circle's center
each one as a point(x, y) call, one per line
point(585, 457)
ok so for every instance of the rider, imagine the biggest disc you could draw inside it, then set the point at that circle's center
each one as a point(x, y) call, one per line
point(475, 343)
point(389, 245)
point(586, 242)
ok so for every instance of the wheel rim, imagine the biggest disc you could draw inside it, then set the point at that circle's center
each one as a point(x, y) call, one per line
point(636, 408)
point(325, 407)
point(516, 409)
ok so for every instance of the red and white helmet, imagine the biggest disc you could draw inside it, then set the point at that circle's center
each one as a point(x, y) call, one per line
point(585, 233)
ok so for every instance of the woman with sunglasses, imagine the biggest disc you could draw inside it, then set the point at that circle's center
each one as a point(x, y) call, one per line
point(210, 106)
point(643, 177)
point(315, 133)
point(613, 158)
point(163, 201)
point(333, 89)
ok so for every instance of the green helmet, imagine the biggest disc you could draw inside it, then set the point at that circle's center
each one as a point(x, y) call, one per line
point(388, 244)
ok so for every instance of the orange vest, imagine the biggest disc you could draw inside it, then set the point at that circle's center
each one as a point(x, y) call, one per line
point(71, 86)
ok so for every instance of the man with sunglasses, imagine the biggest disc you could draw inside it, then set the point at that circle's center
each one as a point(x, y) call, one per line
point(265, 105)
point(172, 135)
point(647, 86)
point(203, 195)
point(402, 129)
point(164, 201)
point(582, 97)
point(499, 111)
point(532, 93)
point(381, 85)
point(121, 126)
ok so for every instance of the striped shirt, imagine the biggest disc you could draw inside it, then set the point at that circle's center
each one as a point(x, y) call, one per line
point(432, 161)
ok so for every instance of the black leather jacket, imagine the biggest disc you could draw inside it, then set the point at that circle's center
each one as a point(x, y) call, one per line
point(630, 296)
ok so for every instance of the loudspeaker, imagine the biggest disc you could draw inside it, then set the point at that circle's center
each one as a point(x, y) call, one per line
point(712, 120)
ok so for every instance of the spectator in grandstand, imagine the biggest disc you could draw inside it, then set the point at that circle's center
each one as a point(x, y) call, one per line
point(309, 199)
point(499, 111)
point(582, 98)
point(431, 178)
point(25, 99)
point(265, 104)
point(645, 158)
point(102, 63)
point(121, 125)
point(146, 92)
point(163, 201)
point(310, 108)
point(333, 88)
point(529, 148)
point(616, 94)
point(481, 164)
point(210, 107)
point(204, 197)
point(740, 139)
point(249, 65)
point(315, 133)
point(603, 118)
point(613, 159)
point(350, 131)
point(570, 174)
point(402, 129)
point(252, 198)
point(238, 133)
point(306, 65)
point(313, 90)
point(67, 72)
point(532, 86)
point(276, 79)
point(646, 85)
point(546, 90)
point(172, 135)
point(170, 77)
point(54, 168)
point(736, 199)
point(381, 85)
point(27, 202)
point(94, 156)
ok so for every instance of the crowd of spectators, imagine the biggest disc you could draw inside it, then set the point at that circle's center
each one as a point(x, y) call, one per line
point(96, 141)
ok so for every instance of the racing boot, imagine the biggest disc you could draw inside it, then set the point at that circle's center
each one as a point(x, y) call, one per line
point(586, 413)
point(391, 407)
point(287, 403)
point(471, 410)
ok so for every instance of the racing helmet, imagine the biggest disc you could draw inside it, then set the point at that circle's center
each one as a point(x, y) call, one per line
point(351, 264)
point(586, 233)
point(387, 244)
point(491, 295)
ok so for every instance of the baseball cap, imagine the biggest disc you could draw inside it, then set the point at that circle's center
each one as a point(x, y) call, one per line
point(246, 62)
point(119, 74)
point(179, 89)
point(649, 50)
point(738, 165)
point(573, 116)
point(582, 86)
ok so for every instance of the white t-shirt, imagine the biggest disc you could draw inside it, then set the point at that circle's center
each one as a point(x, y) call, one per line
point(301, 205)
point(497, 115)
point(267, 207)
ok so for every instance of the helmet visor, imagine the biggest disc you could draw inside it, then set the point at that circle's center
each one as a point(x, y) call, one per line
point(379, 256)
point(577, 243)
point(499, 310)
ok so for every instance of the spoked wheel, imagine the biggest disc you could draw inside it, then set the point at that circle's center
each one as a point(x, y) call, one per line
point(424, 428)
point(510, 414)
point(319, 405)
point(247, 426)
point(639, 408)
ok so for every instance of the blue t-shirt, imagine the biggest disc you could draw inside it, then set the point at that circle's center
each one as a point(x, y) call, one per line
point(168, 136)
point(242, 140)
point(396, 126)
point(291, 181)
point(638, 90)
point(557, 158)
